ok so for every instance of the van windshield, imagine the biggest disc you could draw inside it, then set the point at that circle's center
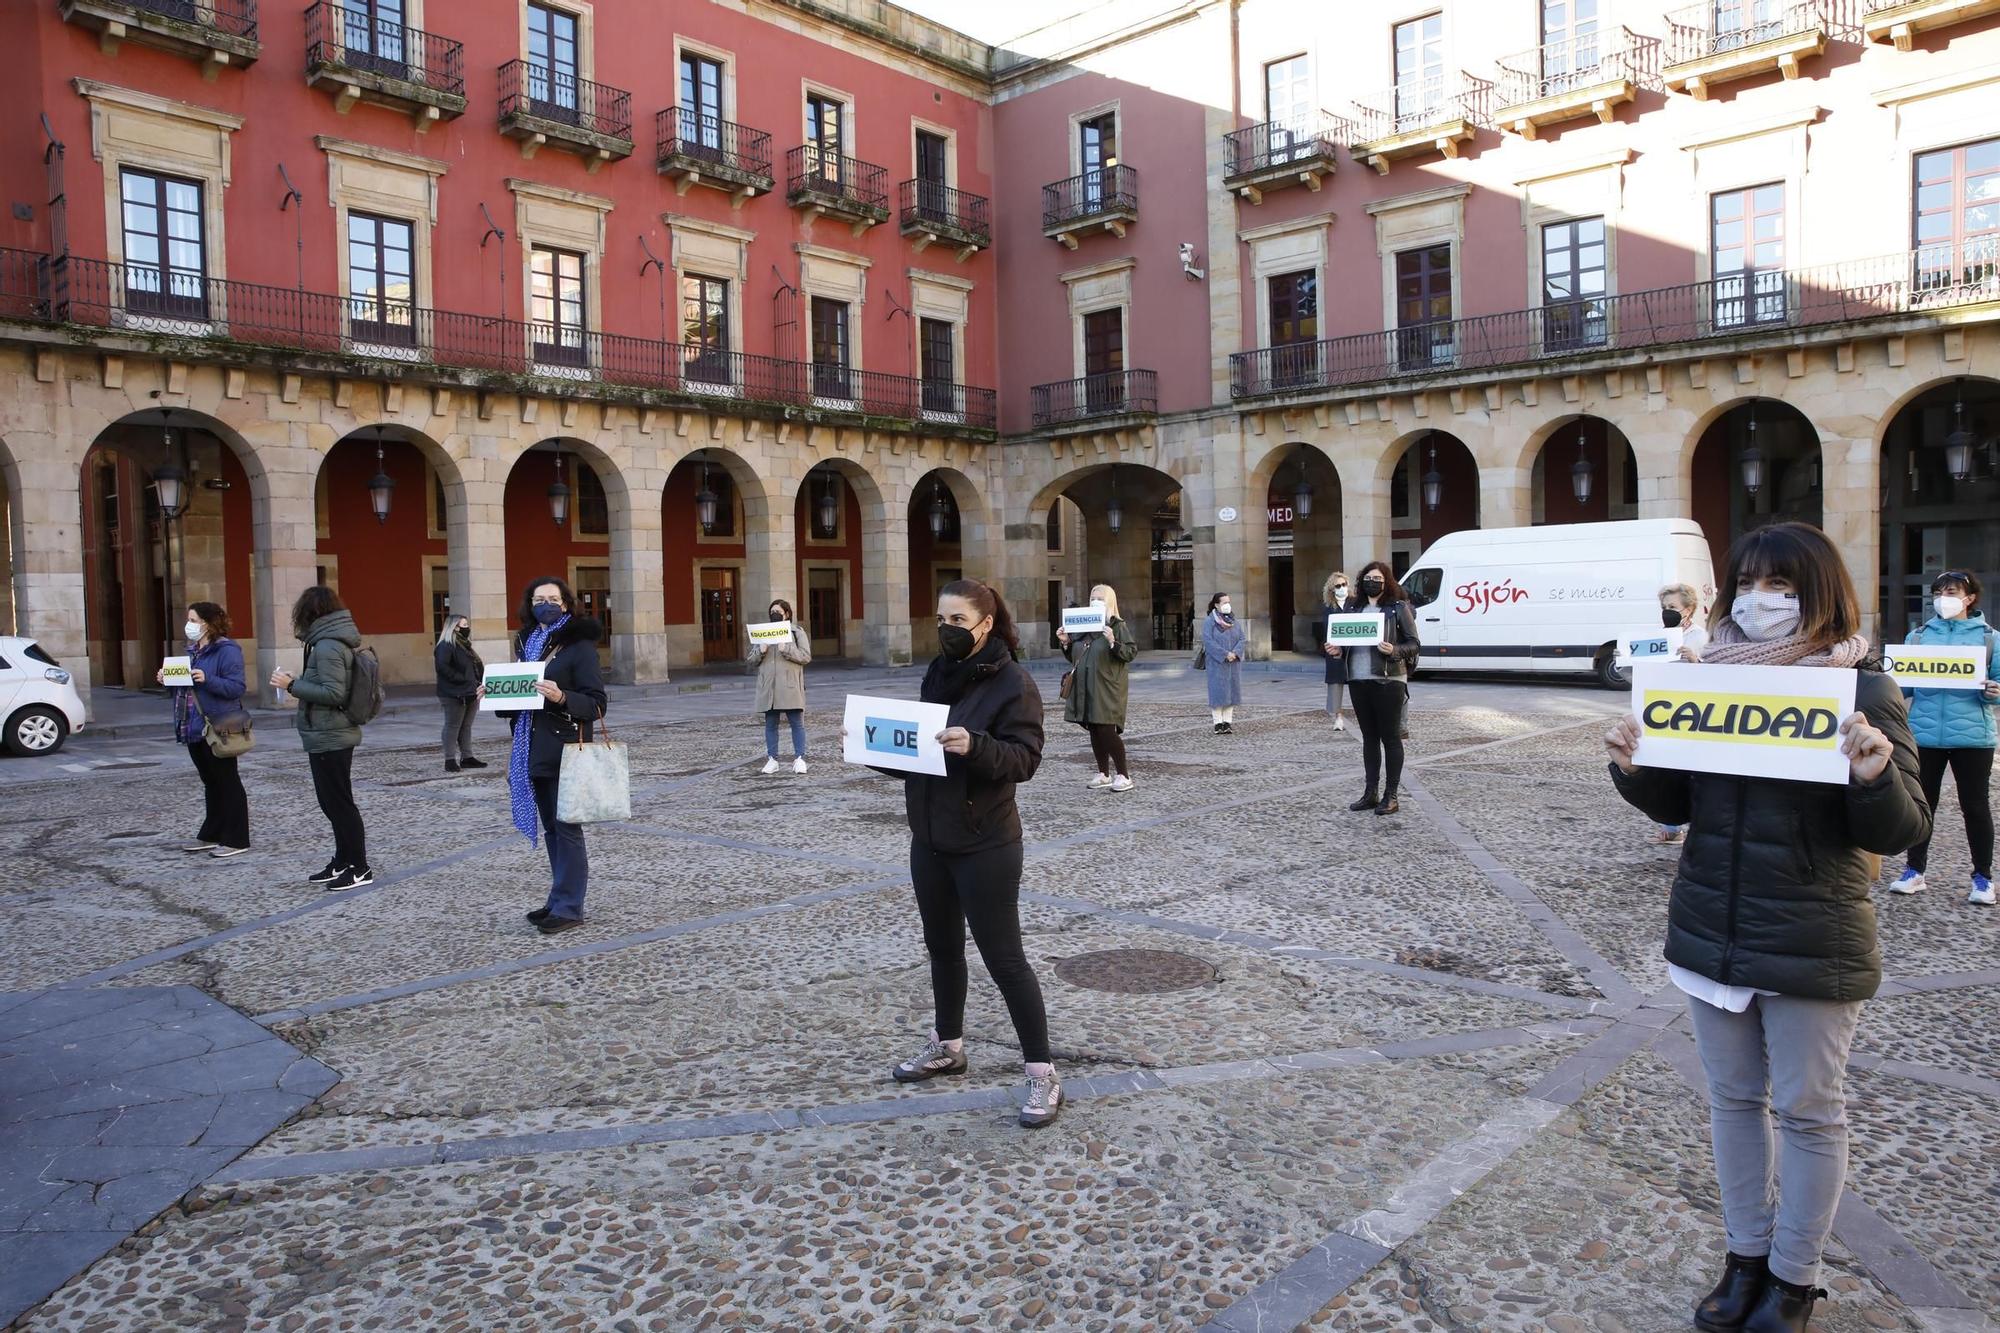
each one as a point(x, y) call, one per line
point(1422, 585)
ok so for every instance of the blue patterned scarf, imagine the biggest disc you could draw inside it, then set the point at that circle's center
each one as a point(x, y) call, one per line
point(519, 788)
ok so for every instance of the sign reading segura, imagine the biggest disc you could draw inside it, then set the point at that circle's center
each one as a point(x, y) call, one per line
point(1748, 721)
point(1362, 627)
point(894, 733)
point(510, 687)
point(1936, 666)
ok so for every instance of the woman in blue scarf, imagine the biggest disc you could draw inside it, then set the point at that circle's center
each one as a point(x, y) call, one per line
point(572, 693)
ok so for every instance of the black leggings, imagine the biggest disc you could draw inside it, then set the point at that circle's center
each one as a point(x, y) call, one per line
point(1971, 773)
point(333, 783)
point(1378, 707)
point(982, 889)
point(1107, 747)
point(226, 810)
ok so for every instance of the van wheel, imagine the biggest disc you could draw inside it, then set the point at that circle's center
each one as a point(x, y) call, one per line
point(36, 730)
point(1609, 674)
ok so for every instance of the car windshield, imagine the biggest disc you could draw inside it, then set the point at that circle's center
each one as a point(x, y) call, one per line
point(34, 650)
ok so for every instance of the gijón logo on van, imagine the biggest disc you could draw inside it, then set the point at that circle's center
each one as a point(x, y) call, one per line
point(1805, 724)
point(1483, 595)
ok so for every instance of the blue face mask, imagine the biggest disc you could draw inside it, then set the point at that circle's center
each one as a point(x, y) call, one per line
point(548, 614)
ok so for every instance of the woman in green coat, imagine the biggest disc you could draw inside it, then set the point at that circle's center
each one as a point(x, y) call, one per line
point(324, 688)
point(1097, 690)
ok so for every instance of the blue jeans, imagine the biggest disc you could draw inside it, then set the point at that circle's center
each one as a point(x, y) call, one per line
point(569, 860)
point(798, 720)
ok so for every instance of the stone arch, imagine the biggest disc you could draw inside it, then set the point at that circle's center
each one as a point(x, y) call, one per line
point(1931, 518)
point(1292, 551)
point(849, 568)
point(593, 548)
point(1594, 439)
point(975, 554)
point(1793, 468)
point(1154, 577)
point(709, 576)
point(1413, 525)
point(13, 542)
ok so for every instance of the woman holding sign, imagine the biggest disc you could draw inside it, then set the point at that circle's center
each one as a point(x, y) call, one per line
point(965, 837)
point(1955, 730)
point(781, 682)
point(215, 672)
point(1097, 688)
point(1770, 932)
point(1222, 644)
point(1378, 681)
point(572, 694)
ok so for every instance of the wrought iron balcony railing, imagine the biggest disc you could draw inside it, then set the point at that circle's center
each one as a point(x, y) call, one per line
point(1279, 144)
point(697, 141)
point(141, 299)
point(341, 38)
point(1719, 27)
point(1569, 66)
point(1116, 393)
point(1422, 104)
point(1094, 194)
point(840, 184)
point(1735, 304)
point(232, 18)
point(528, 88)
point(934, 206)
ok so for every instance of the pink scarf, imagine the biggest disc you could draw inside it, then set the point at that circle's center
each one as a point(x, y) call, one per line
point(1729, 646)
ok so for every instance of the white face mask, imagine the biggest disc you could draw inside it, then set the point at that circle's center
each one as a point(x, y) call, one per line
point(1765, 615)
point(193, 628)
point(1222, 608)
point(1948, 607)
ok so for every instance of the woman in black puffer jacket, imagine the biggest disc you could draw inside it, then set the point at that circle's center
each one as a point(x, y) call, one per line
point(1770, 931)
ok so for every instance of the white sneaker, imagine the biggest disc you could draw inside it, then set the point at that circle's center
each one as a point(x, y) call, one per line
point(1982, 892)
point(1100, 782)
point(1121, 783)
point(770, 767)
point(1340, 724)
point(1910, 881)
point(799, 764)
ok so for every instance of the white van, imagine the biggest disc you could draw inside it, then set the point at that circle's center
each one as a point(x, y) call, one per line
point(1556, 598)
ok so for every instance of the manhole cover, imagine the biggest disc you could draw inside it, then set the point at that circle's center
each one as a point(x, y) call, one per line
point(1136, 971)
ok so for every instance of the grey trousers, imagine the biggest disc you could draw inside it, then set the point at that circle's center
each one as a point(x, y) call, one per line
point(458, 718)
point(1787, 1056)
point(1335, 691)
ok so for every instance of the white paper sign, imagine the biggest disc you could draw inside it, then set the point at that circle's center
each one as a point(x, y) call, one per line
point(1750, 721)
point(1660, 645)
point(771, 631)
point(1940, 666)
point(510, 687)
point(1362, 628)
point(895, 733)
point(1084, 619)
point(177, 672)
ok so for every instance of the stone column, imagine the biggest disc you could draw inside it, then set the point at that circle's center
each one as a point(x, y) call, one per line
point(1506, 495)
point(1232, 557)
point(46, 513)
point(1364, 513)
point(885, 580)
point(639, 637)
point(285, 537)
point(1657, 454)
point(770, 549)
point(476, 545)
point(1851, 480)
point(9, 541)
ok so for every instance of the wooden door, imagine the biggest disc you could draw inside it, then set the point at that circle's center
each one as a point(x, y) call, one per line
point(720, 626)
point(826, 616)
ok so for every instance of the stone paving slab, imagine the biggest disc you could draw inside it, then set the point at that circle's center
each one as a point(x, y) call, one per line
point(113, 1104)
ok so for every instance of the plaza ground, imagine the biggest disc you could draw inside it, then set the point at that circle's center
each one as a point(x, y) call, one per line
point(1423, 1072)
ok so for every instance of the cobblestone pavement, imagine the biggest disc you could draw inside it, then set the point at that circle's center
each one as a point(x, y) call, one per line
point(1437, 1079)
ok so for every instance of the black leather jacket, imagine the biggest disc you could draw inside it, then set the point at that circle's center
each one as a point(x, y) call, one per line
point(971, 808)
point(1774, 879)
point(571, 654)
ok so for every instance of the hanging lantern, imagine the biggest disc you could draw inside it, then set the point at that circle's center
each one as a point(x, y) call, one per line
point(1433, 483)
point(1581, 475)
point(1958, 444)
point(940, 509)
point(1302, 498)
point(1114, 513)
point(559, 496)
point(705, 502)
point(829, 506)
point(381, 486)
point(1753, 462)
point(170, 478)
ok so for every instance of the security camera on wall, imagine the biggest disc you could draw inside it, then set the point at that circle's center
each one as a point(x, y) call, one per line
point(1187, 262)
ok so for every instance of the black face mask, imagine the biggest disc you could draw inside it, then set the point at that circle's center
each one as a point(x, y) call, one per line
point(463, 635)
point(957, 642)
point(1371, 586)
point(1670, 617)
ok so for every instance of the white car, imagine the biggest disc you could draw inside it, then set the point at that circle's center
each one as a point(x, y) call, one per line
point(38, 700)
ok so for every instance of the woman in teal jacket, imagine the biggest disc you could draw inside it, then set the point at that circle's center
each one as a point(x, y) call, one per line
point(1956, 729)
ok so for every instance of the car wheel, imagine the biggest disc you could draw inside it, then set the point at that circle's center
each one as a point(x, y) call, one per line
point(36, 730)
point(1610, 674)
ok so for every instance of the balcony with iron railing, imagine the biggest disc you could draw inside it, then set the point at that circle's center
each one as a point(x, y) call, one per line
point(1900, 21)
point(1721, 41)
point(829, 184)
point(1432, 114)
point(1734, 305)
point(696, 148)
point(214, 32)
point(143, 301)
point(540, 105)
point(363, 57)
point(932, 213)
point(1277, 154)
point(1096, 399)
point(1104, 199)
point(1588, 75)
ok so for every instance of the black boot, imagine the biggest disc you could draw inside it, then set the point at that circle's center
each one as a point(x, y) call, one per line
point(451, 765)
point(1724, 1309)
point(1389, 805)
point(1782, 1308)
point(1367, 801)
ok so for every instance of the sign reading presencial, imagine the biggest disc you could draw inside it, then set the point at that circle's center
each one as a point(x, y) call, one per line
point(895, 733)
point(1660, 645)
point(1751, 721)
point(511, 686)
point(771, 631)
point(1362, 627)
point(1935, 666)
point(177, 671)
point(1084, 619)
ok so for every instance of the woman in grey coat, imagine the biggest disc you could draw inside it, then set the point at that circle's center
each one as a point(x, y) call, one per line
point(781, 686)
point(1222, 643)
